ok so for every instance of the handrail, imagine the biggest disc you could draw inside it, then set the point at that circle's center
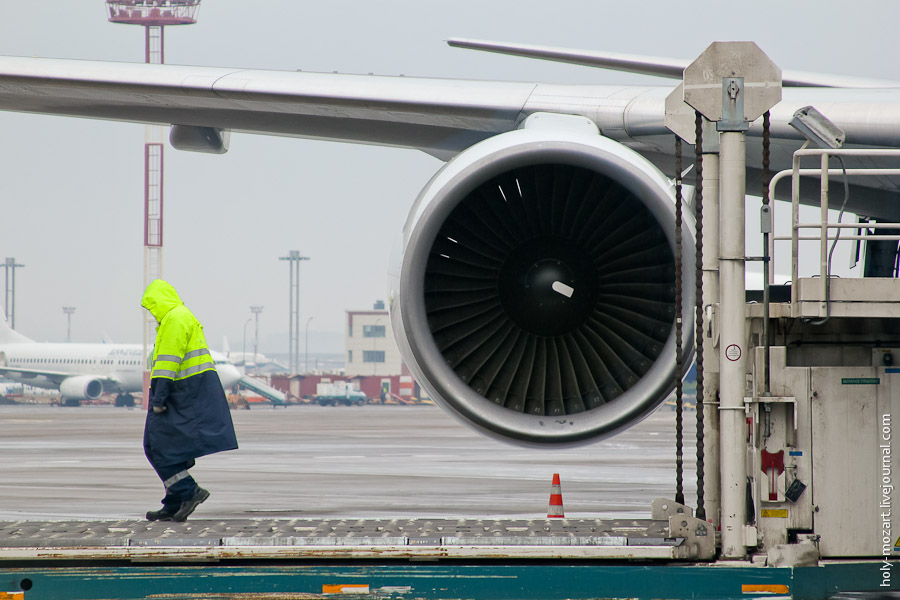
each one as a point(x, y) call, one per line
point(823, 225)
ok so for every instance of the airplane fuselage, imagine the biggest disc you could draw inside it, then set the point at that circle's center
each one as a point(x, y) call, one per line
point(120, 363)
point(118, 366)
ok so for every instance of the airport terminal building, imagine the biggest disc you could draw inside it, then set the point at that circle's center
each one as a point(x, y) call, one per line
point(370, 344)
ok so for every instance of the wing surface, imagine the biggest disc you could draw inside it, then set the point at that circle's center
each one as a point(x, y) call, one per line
point(442, 115)
point(671, 68)
point(439, 116)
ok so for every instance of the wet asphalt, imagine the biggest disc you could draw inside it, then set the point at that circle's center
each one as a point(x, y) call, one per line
point(316, 462)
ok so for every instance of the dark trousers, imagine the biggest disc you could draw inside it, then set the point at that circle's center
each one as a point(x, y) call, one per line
point(178, 482)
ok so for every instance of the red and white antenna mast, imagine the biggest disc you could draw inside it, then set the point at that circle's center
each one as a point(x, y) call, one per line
point(153, 15)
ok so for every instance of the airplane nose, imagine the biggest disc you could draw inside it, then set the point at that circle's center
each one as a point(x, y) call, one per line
point(228, 374)
point(233, 375)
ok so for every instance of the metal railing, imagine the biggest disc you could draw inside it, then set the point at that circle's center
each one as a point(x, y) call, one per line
point(825, 227)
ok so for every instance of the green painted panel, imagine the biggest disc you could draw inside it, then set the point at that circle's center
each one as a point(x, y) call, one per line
point(445, 580)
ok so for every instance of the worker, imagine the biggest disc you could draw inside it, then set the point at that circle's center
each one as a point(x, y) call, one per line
point(188, 414)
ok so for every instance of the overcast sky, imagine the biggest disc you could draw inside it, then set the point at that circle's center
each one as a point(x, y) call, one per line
point(71, 191)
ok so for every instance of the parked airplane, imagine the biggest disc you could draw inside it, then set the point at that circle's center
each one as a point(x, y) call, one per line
point(534, 296)
point(83, 371)
point(254, 361)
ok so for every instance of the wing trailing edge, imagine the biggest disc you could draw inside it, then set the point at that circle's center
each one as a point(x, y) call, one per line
point(670, 68)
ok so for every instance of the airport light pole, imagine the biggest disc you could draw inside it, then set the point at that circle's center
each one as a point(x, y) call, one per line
point(374, 343)
point(244, 345)
point(306, 349)
point(256, 310)
point(154, 16)
point(68, 310)
point(10, 297)
point(294, 309)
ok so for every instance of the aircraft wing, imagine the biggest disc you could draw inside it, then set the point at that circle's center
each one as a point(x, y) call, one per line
point(56, 377)
point(443, 115)
point(439, 116)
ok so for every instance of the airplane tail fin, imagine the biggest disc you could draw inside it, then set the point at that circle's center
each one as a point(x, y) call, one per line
point(225, 347)
point(7, 334)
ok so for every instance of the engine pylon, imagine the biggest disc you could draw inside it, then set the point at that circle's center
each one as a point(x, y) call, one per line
point(555, 510)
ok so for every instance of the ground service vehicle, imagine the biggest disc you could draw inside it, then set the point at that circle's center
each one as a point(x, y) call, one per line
point(339, 393)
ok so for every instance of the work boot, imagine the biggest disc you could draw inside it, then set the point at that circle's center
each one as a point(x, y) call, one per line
point(163, 514)
point(188, 506)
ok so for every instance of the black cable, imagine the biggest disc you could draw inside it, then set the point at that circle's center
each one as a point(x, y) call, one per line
point(679, 358)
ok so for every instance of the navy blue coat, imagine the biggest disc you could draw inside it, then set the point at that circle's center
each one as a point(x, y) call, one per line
point(196, 420)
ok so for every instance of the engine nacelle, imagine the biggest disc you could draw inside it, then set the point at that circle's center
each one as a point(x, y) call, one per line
point(81, 387)
point(536, 295)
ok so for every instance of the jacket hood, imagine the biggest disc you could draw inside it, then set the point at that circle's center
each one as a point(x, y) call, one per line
point(159, 298)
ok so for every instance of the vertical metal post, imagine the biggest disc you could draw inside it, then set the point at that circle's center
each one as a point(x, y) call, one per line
point(795, 235)
point(244, 346)
point(710, 398)
point(375, 346)
point(732, 347)
point(10, 294)
point(153, 16)
point(306, 350)
point(68, 310)
point(154, 44)
point(823, 239)
point(733, 84)
point(291, 369)
point(256, 310)
point(294, 259)
point(153, 196)
point(297, 318)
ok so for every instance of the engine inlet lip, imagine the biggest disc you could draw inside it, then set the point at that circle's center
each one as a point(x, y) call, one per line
point(596, 154)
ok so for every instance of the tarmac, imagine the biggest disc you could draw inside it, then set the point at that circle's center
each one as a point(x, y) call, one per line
point(337, 463)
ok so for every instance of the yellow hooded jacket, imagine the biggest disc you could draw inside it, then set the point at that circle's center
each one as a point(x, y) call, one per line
point(183, 380)
point(180, 350)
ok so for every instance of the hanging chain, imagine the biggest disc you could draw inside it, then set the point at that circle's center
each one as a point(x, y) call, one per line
point(679, 358)
point(766, 176)
point(766, 180)
point(698, 318)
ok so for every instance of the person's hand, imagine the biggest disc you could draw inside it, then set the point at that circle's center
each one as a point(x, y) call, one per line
point(159, 409)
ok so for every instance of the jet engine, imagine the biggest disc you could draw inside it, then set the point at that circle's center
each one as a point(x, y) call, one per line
point(81, 387)
point(535, 299)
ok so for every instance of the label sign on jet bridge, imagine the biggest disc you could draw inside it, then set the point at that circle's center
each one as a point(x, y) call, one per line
point(860, 381)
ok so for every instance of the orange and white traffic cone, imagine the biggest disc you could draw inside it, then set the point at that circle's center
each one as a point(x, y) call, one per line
point(555, 511)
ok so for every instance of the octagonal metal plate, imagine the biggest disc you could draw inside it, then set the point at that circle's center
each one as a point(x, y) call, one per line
point(703, 79)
